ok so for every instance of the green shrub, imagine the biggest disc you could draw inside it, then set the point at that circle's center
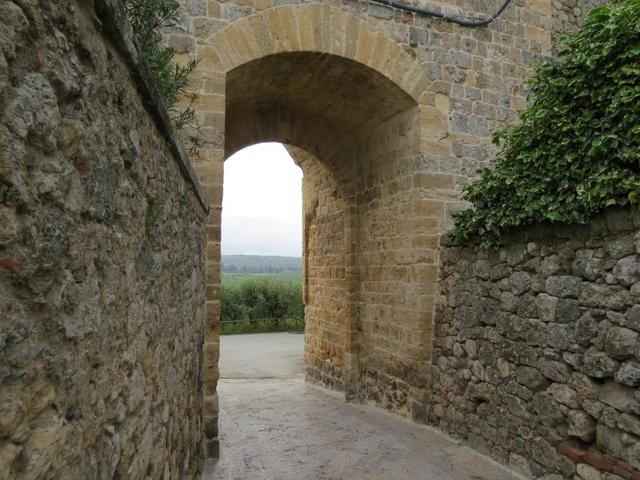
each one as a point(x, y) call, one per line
point(576, 150)
point(147, 17)
point(261, 305)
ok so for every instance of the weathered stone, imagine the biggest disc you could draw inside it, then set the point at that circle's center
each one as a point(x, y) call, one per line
point(609, 440)
point(527, 306)
point(598, 364)
point(530, 377)
point(581, 425)
point(616, 317)
point(629, 374)
point(8, 455)
point(559, 336)
point(621, 343)
point(588, 264)
point(574, 360)
point(586, 329)
point(563, 286)
point(554, 370)
point(604, 296)
point(11, 414)
point(587, 472)
point(520, 464)
point(544, 453)
point(593, 408)
point(568, 311)
point(32, 111)
point(14, 24)
point(520, 282)
point(509, 302)
point(196, 7)
point(547, 306)
point(563, 395)
point(629, 423)
point(584, 385)
point(549, 266)
point(181, 43)
point(8, 225)
point(620, 246)
point(633, 318)
point(627, 270)
point(201, 27)
point(610, 417)
point(634, 455)
point(618, 396)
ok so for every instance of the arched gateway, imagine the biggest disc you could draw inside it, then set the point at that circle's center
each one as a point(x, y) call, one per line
point(388, 115)
point(348, 101)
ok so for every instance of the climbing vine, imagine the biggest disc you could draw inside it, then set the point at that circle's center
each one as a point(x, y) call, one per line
point(147, 17)
point(576, 150)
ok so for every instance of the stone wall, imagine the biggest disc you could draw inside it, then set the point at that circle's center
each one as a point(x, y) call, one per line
point(395, 259)
point(101, 258)
point(325, 285)
point(537, 353)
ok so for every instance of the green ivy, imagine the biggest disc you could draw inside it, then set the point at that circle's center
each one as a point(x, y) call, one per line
point(576, 150)
point(147, 17)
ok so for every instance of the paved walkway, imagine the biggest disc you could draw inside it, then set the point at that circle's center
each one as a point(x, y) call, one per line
point(282, 429)
point(261, 355)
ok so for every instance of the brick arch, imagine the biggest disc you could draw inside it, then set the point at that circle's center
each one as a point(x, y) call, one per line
point(368, 159)
point(311, 28)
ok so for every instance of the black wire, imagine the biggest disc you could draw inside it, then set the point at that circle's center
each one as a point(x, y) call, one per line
point(464, 21)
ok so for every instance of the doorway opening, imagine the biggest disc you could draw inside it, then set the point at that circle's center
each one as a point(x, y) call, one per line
point(261, 304)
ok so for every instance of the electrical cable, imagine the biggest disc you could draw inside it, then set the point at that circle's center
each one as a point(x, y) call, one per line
point(429, 12)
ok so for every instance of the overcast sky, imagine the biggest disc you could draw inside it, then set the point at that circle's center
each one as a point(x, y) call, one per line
point(262, 203)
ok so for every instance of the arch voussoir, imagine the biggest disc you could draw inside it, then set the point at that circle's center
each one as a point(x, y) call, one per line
point(312, 28)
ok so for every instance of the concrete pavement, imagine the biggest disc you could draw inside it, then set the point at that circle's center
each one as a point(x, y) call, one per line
point(261, 355)
point(278, 428)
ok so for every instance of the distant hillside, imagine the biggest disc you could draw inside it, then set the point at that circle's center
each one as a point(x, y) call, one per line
point(259, 264)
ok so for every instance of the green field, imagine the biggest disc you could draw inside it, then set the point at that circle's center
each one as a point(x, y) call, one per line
point(229, 278)
point(261, 294)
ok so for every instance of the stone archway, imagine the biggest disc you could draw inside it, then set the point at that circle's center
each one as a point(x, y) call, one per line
point(357, 111)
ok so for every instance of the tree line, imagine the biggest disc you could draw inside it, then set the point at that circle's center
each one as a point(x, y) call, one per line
point(255, 269)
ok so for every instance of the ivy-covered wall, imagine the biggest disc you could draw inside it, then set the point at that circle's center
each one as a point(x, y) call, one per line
point(576, 149)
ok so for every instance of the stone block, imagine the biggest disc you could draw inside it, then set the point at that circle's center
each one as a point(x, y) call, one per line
point(629, 374)
point(581, 425)
point(563, 286)
point(598, 364)
point(621, 343)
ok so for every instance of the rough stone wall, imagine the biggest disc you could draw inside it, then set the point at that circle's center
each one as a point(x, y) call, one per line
point(325, 287)
point(395, 260)
point(101, 260)
point(537, 352)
